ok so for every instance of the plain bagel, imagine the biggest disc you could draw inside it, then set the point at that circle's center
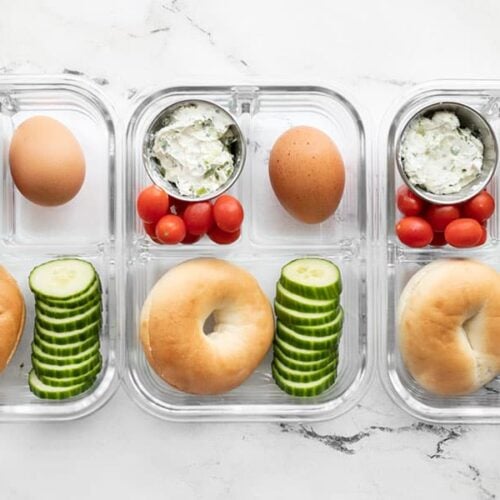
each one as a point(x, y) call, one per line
point(449, 326)
point(174, 314)
point(12, 314)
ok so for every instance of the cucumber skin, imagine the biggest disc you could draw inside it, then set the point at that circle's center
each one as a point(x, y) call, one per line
point(311, 292)
point(73, 349)
point(307, 342)
point(325, 330)
point(94, 291)
point(61, 313)
point(304, 376)
point(58, 371)
point(293, 301)
point(306, 366)
point(62, 338)
point(63, 393)
point(301, 354)
point(42, 295)
point(302, 318)
point(291, 389)
point(91, 317)
point(69, 381)
point(44, 357)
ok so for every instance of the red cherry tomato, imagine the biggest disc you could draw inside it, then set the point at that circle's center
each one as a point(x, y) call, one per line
point(484, 237)
point(152, 204)
point(198, 217)
point(438, 240)
point(150, 228)
point(221, 237)
point(463, 233)
point(228, 213)
point(439, 216)
point(414, 232)
point(170, 229)
point(481, 207)
point(177, 207)
point(190, 239)
point(408, 202)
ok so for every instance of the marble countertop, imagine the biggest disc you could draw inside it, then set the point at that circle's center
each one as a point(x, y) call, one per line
point(377, 50)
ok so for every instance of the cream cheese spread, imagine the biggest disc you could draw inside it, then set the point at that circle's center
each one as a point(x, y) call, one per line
point(440, 156)
point(193, 149)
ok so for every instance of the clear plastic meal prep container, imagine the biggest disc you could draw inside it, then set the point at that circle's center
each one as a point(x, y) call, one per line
point(84, 227)
point(397, 263)
point(270, 239)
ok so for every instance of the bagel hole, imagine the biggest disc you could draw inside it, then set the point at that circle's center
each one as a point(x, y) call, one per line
point(208, 326)
point(472, 328)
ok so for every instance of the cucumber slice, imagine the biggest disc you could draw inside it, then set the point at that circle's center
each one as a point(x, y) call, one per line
point(68, 381)
point(304, 366)
point(307, 341)
point(301, 354)
point(324, 330)
point(292, 317)
point(69, 337)
point(68, 324)
point(61, 312)
point(62, 278)
point(65, 371)
point(304, 389)
point(65, 349)
point(313, 278)
point(44, 391)
point(300, 303)
point(80, 300)
point(292, 375)
point(44, 357)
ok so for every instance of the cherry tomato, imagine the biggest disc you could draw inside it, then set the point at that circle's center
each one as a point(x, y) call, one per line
point(408, 202)
point(152, 204)
point(463, 233)
point(228, 213)
point(438, 240)
point(177, 207)
point(439, 216)
point(414, 232)
point(198, 217)
point(221, 237)
point(190, 239)
point(170, 229)
point(484, 237)
point(150, 228)
point(481, 207)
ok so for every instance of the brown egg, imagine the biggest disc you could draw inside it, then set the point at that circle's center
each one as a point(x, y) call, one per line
point(46, 161)
point(307, 174)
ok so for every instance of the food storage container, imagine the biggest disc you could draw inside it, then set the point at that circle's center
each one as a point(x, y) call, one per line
point(397, 263)
point(269, 240)
point(84, 227)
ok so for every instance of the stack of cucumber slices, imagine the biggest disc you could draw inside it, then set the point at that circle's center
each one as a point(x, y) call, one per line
point(68, 314)
point(309, 326)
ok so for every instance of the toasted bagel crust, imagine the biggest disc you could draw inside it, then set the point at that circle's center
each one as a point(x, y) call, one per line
point(172, 323)
point(12, 314)
point(449, 326)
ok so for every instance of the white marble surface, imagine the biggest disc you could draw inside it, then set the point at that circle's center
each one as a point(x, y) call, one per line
point(375, 49)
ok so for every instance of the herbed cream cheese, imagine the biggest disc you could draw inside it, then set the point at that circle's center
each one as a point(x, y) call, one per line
point(193, 149)
point(440, 156)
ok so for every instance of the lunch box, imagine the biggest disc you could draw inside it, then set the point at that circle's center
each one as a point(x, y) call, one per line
point(101, 225)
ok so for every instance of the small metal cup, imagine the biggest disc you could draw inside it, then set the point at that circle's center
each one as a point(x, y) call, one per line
point(153, 167)
point(472, 120)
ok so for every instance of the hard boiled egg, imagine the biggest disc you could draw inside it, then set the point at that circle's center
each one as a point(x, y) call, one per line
point(46, 161)
point(307, 174)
